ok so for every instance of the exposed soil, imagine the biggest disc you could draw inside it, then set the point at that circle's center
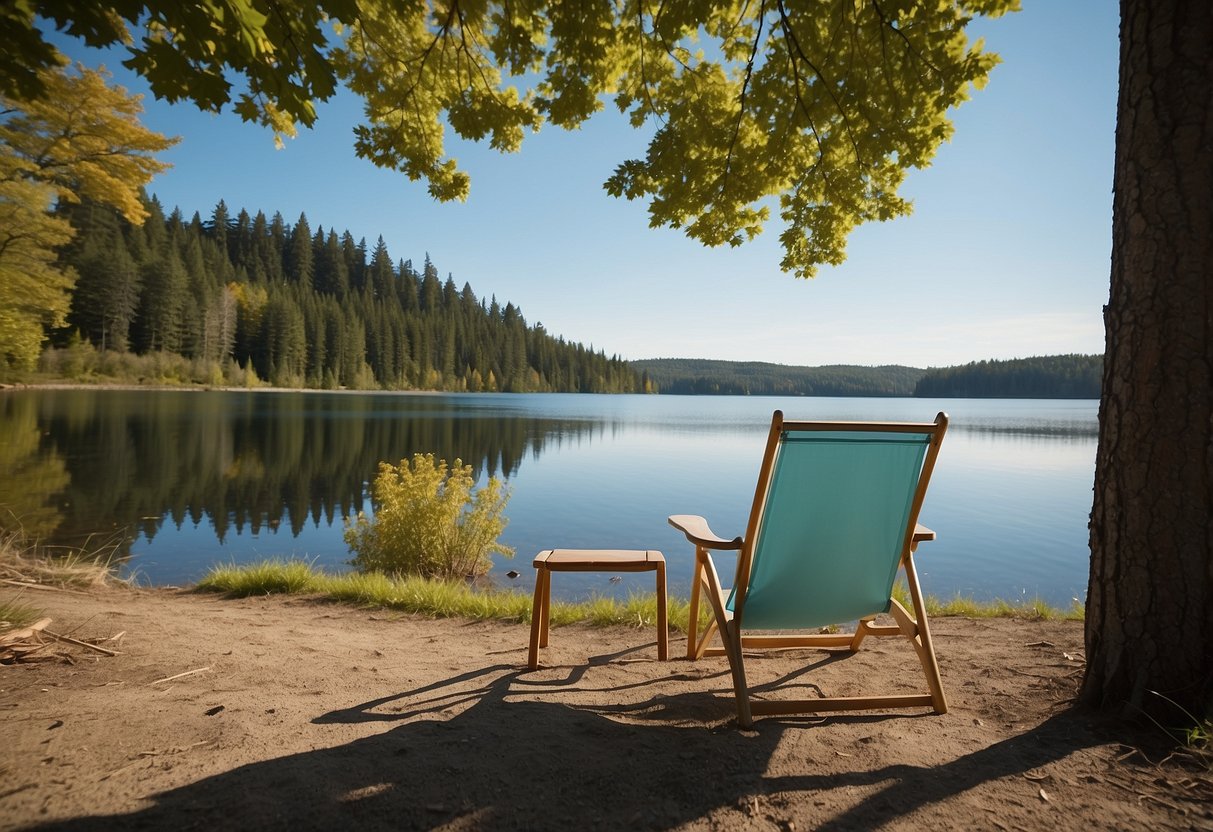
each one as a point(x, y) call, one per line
point(288, 712)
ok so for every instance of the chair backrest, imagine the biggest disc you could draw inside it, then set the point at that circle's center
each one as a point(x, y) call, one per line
point(834, 514)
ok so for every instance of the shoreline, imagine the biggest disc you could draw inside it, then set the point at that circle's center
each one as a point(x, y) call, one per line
point(206, 388)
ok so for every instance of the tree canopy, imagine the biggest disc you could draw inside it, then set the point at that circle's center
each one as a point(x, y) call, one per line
point(819, 109)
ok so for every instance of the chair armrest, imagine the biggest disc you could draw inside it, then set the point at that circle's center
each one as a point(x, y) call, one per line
point(697, 531)
point(922, 533)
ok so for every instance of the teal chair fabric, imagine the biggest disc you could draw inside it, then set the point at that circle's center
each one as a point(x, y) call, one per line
point(832, 529)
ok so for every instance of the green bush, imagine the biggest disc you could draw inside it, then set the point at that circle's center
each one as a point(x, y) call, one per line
point(428, 522)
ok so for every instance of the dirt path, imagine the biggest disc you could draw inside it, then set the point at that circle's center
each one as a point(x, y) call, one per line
point(287, 713)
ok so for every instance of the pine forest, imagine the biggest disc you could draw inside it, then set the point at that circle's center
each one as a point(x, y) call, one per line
point(1041, 377)
point(257, 300)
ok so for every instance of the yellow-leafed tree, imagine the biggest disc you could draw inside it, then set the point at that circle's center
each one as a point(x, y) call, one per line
point(81, 140)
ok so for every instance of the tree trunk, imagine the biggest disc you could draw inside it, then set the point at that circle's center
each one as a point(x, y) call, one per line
point(1149, 625)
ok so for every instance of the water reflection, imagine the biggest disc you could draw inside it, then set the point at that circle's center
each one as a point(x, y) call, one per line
point(187, 479)
point(78, 462)
point(32, 480)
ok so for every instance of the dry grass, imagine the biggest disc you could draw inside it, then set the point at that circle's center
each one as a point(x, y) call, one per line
point(25, 566)
point(72, 569)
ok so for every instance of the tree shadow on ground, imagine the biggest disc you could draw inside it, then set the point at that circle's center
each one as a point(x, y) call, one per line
point(908, 788)
point(489, 749)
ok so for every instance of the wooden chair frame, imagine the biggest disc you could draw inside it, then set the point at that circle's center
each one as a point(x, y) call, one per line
point(730, 624)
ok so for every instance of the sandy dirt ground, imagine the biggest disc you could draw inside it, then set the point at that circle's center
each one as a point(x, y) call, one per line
point(284, 713)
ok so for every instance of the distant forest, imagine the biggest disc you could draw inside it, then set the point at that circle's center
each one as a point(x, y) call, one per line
point(755, 378)
point(304, 308)
point(1048, 377)
point(1045, 377)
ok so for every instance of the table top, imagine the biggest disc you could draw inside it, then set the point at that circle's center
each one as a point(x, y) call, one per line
point(589, 559)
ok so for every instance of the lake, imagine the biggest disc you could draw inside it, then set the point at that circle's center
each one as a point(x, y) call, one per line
point(181, 480)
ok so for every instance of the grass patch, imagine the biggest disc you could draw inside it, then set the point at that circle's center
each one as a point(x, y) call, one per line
point(15, 615)
point(1033, 609)
point(265, 577)
point(458, 599)
point(428, 596)
point(1199, 741)
point(1195, 736)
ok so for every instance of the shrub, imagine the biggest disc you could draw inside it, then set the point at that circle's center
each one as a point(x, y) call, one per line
point(427, 521)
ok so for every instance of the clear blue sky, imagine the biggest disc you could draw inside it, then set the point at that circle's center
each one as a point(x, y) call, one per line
point(1006, 254)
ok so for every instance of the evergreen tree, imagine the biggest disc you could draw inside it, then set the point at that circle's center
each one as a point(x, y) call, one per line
point(285, 357)
point(431, 288)
point(354, 256)
point(241, 242)
point(331, 272)
point(218, 227)
point(272, 249)
point(161, 302)
point(381, 277)
point(298, 265)
point(107, 285)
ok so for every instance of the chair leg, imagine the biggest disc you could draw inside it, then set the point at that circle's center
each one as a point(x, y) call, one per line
point(730, 635)
point(926, 651)
point(701, 649)
point(861, 631)
point(732, 642)
point(693, 613)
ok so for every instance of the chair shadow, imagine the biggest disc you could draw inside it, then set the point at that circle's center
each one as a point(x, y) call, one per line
point(489, 749)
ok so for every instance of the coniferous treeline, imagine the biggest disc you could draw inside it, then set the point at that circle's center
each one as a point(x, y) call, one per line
point(307, 309)
point(1043, 377)
point(756, 378)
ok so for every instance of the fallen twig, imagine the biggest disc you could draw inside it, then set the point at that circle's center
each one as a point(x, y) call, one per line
point(179, 750)
point(47, 587)
point(1131, 752)
point(1161, 802)
point(180, 675)
point(80, 643)
point(1032, 675)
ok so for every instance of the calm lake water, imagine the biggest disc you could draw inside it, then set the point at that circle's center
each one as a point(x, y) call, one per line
point(184, 480)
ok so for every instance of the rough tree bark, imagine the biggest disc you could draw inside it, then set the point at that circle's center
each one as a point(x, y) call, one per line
point(1149, 626)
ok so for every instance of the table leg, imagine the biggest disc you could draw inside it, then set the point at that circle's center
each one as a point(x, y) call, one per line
point(537, 613)
point(663, 630)
point(547, 608)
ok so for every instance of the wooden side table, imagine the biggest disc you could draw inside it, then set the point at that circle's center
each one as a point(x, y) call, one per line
point(592, 560)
